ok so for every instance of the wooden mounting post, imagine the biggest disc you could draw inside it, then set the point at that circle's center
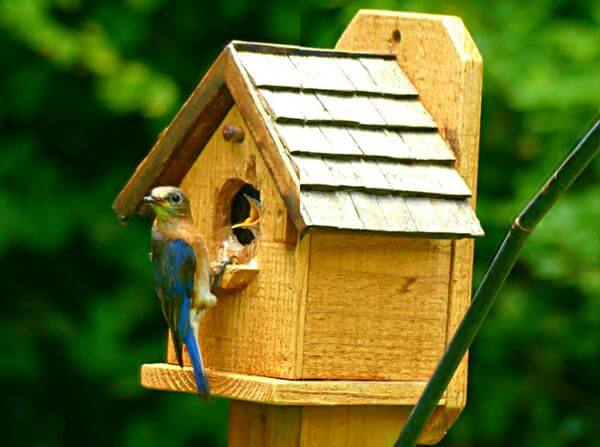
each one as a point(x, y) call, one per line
point(439, 56)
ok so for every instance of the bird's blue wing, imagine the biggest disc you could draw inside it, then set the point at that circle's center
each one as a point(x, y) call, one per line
point(174, 264)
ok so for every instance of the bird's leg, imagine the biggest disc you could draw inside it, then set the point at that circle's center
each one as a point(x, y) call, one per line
point(220, 270)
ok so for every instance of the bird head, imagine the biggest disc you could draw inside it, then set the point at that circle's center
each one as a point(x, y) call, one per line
point(252, 222)
point(168, 202)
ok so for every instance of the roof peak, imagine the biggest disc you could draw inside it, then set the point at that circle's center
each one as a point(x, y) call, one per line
point(281, 49)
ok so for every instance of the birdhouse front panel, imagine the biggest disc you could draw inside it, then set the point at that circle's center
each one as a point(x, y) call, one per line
point(376, 306)
point(251, 330)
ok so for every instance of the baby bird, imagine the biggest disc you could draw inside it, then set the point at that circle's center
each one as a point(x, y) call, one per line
point(252, 222)
point(181, 274)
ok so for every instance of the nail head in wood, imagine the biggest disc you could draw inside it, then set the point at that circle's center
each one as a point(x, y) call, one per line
point(233, 133)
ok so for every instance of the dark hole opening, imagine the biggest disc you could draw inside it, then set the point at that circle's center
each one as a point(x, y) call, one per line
point(240, 211)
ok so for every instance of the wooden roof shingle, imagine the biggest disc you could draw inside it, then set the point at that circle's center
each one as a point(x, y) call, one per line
point(368, 154)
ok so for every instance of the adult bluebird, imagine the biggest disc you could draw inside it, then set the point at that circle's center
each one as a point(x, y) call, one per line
point(181, 274)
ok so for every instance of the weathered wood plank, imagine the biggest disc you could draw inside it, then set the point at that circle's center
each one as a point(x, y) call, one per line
point(314, 171)
point(369, 211)
point(270, 69)
point(283, 104)
point(396, 214)
point(380, 143)
point(427, 146)
point(312, 108)
point(424, 179)
point(299, 138)
point(341, 140)
point(403, 112)
point(389, 77)
point(231, 385)
point(351, 109)
point(358, 75)
point(331, 209)
point(424, 216)
point(269, 48)
point(321, 73)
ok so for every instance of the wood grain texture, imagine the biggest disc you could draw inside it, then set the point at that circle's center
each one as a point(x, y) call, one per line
point(440, 58)
point(237, 276)
point(273, 391)
point(259, 425)
point(253, 330)
point(376, 307)
point(180, 143)
point(262, 130)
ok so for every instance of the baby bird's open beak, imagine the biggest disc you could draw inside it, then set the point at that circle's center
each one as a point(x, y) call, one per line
point(253, 216)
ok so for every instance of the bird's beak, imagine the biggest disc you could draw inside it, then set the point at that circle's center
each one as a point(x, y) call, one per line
point(253, 215)
point(151, 200)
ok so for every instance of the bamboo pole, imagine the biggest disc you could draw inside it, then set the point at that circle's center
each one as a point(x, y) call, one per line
point(496, 275)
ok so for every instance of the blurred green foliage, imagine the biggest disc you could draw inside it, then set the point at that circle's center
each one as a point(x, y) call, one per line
point(85, 87)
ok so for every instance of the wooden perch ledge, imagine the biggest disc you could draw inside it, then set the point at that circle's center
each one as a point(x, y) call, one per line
point(237, 276)
point(163, 376)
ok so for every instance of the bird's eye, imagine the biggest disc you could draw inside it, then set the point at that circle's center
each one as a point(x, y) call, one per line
point(176, 198)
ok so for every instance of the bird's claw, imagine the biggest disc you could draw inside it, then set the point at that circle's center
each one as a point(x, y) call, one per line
point(220, 270)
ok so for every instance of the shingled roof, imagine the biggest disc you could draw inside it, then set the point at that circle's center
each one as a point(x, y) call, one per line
point(361, 150)
point(368, 155)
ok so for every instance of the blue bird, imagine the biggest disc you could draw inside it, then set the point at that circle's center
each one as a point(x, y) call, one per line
point(181, 274)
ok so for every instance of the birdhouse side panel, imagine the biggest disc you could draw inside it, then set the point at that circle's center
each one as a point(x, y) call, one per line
point(251, 331)
point(376, 307)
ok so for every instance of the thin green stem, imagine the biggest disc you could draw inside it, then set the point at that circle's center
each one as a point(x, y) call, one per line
point(496, 275)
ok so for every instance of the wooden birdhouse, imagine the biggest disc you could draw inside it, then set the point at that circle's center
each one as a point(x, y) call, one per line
point(364, 161)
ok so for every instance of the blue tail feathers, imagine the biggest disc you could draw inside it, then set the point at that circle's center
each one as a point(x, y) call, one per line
point(197, 364)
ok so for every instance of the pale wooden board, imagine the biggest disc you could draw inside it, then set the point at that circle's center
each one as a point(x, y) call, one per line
point(424, 179)
point(403, 112)
point(381, 143)
point(358, 75)
point(262, 425)
point(369, 211)
point(341, 140)
point(252, 331)
point(351, 109)
point(376, 307)
point(415, 216)
point(312, 107)
point(389, 77)
point(371, 175)
point(427, 146)
point(270, 69)
point(360, 426)
point(299, 138)
point(422, 211)
point(299, 106)
point(381, 175)
point(330, 209)
point(396, 213)
point(283, 104)
point(438, 54)
point(314, 170)
point(268, 390)
point(321, 73)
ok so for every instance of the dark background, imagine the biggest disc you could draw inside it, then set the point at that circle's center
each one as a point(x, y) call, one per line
point(85, 87)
